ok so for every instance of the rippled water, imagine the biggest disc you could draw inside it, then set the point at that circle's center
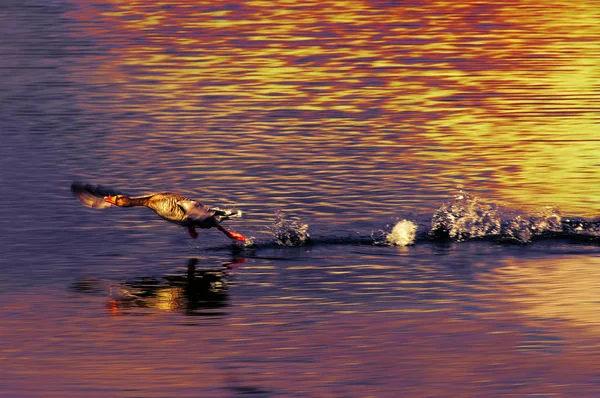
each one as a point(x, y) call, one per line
point(419, 180)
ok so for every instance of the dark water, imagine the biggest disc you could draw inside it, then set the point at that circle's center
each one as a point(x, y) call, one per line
point(476, 123)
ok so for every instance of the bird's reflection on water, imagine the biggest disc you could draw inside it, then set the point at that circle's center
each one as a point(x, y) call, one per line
point(196, 292)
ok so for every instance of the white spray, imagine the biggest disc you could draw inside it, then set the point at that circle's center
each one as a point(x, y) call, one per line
point(403, 233)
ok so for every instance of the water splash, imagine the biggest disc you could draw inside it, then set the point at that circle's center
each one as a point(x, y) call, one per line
point(403, 234)
point(517, 229)
point(469, 217)
point(249, 242)
point(289, 231)
point(524, 229)
point(582, 229)
point(466, 217)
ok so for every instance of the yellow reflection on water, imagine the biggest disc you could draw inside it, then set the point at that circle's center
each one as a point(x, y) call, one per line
point(501, 97)
point(560, 289)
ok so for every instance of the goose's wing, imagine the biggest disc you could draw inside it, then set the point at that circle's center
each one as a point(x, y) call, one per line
point(194, 210)
point(197, 211)
point(92, 195)
point(227, 213)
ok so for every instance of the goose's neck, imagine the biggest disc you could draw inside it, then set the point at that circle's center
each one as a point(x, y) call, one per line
point(130, 202)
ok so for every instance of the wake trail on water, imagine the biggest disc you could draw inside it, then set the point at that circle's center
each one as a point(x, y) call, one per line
point(469, 217)
point(294, 232)
point(462, 218)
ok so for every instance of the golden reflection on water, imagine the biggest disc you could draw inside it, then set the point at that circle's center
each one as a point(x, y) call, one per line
point(559, 289)
point(502, 97)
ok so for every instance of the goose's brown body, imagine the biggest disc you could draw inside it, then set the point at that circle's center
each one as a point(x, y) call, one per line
point(171, 207)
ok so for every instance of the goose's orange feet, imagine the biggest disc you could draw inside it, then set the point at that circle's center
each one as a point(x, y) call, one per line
point(237, 236)
point(232, 234)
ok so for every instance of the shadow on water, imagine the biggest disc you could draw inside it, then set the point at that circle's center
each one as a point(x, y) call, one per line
point(197, 292)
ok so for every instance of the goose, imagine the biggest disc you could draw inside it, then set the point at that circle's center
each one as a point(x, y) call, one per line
point(172, 207)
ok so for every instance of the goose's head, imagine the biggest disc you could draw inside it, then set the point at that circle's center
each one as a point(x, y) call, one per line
point(118, 200)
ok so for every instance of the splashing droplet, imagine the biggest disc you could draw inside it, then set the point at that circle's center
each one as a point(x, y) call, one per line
point(466, 217)
point(289, 232)
point(403, 233)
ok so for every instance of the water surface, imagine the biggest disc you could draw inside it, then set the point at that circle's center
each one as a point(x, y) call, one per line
point(345, 117)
